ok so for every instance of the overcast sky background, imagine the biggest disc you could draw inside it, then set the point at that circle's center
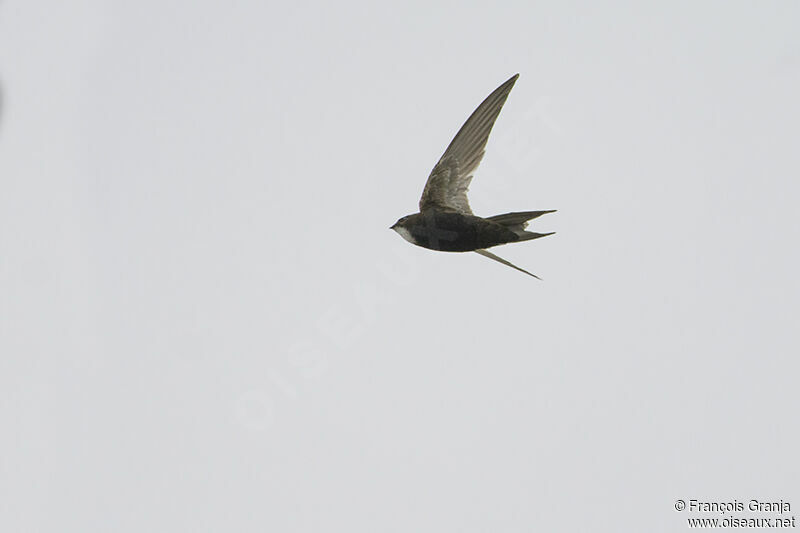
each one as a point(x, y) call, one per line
point(207, 325)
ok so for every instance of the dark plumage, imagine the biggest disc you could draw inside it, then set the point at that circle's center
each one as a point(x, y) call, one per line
point(445, 221)
point(450, 231)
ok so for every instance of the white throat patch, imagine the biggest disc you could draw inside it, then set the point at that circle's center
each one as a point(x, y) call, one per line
point(404, 233)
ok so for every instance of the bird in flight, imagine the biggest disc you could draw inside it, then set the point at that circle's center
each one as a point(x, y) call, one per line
point(445, 221)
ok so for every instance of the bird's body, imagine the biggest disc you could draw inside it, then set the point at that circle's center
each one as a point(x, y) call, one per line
point(445, 221)
point(451, 231)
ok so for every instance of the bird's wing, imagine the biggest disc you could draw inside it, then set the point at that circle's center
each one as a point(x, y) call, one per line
point(490, 255)
point(449, 180)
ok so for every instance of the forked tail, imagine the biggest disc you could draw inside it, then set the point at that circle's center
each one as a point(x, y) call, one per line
point(518, 219)
point(517, 222)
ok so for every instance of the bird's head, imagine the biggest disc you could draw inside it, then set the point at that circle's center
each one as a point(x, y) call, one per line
point(402, 228)
point(401, 223)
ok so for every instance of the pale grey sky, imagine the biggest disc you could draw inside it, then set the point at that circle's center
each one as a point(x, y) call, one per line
point(207, 325)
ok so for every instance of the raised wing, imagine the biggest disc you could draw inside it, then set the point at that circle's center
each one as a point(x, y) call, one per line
point(449, 180)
